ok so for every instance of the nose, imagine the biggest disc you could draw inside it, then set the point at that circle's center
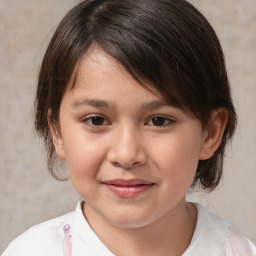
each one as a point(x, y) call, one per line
point(127, 150)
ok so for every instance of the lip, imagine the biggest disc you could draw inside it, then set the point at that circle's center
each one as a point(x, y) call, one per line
point(128, 188)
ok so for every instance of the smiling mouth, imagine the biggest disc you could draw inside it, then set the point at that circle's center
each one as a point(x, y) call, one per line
point(128, 188)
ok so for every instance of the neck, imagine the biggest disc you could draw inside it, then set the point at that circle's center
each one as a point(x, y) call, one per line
point(170, 235)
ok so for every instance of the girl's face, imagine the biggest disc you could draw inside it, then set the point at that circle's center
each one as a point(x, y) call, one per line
point(130, 156)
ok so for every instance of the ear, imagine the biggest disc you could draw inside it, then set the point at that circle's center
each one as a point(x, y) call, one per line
point(56, 137)
point(214, 133)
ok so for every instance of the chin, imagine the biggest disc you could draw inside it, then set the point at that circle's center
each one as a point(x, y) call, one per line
point(124, 219)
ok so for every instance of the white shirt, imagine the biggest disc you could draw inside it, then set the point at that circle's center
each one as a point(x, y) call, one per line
point(213, 236)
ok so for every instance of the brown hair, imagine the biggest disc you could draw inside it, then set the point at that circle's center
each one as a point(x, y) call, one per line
point(166, 44)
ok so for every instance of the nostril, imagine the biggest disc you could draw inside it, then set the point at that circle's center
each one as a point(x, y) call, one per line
point(123, 165)
point(126, 152)
point(129, 164)
point(116, 164)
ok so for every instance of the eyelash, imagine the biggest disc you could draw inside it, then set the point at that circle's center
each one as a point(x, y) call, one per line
point(89, 119)
point(167, 121)
point(164, 121)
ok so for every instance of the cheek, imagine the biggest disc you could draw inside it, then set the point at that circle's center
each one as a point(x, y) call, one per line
point(177, 158)
point(84, 155)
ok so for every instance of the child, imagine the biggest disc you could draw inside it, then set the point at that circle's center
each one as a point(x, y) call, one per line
point(134, 96)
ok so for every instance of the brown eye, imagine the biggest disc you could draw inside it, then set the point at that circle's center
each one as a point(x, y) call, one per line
point(96, 121)
point(159, 121)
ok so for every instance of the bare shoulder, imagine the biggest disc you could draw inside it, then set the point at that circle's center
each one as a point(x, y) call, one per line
point(238, 245)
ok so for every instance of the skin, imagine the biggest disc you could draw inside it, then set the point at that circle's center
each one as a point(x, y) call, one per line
point(135, 135)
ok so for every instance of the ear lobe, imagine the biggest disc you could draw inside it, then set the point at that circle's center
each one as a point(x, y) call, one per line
point(214, 133)
point(56, 138)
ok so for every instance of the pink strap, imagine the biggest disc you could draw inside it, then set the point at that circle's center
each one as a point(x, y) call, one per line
point(67, 241)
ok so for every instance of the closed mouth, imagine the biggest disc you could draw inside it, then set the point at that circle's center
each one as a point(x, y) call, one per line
point(127, 183)
point(128, 188)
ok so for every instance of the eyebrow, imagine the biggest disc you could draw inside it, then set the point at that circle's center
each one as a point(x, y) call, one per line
point(155, 104)
point(91, 102)
point(151, 105)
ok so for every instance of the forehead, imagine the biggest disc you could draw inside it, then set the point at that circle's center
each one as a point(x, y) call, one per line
point(99, 71)
point(100, 80)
